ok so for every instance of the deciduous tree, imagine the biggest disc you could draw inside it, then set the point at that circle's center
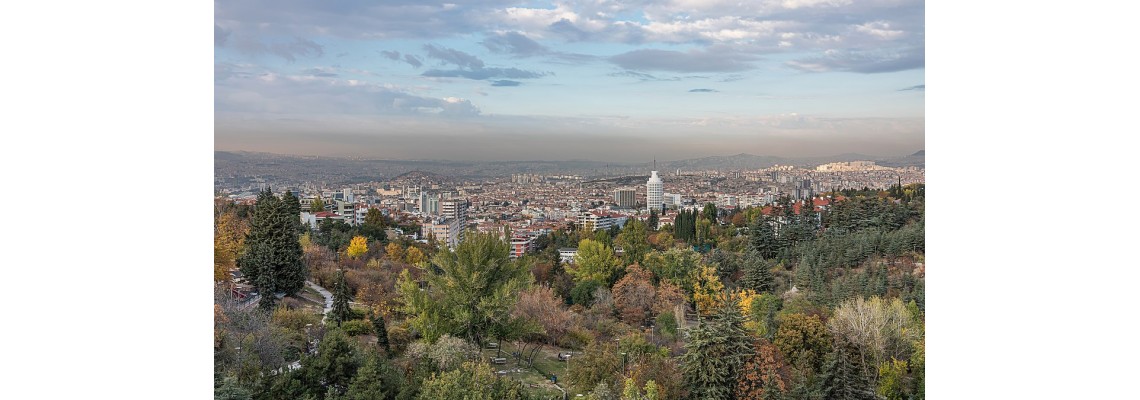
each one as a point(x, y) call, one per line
point(357, 247)
point(634, 295)
point(595, 261)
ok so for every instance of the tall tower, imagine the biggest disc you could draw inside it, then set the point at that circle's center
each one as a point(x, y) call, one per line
point(654, 191)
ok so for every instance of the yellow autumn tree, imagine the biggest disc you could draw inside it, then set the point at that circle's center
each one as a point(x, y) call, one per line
point(229, 237)
point(708, 291)
point(395, 251)
point(414, 256)
point(357, 247)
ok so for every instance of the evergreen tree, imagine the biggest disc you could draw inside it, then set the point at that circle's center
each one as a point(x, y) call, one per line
point(843, 375)
point(293, 210)
point(653, 219)
point(757, 275)
point(332, 368)
point(709, 212)
point(340, 311)
point(381, 333)
point(715, 353)
point(763, 238)
point(376, 380)
point(272, 256)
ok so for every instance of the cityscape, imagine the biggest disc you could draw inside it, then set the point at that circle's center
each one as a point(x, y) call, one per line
point(573, 199)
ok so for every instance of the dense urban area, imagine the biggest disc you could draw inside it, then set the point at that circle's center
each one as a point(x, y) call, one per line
point(796, 281)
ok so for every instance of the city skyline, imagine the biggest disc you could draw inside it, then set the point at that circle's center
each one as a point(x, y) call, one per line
point(570, 80)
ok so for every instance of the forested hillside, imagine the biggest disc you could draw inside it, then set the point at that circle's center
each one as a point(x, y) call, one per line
point(796, 300)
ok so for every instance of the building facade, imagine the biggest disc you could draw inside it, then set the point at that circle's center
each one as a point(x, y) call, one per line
point(624, 197)
point(654, 191)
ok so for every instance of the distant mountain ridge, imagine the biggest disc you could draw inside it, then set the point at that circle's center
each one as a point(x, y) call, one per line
point(234, 164)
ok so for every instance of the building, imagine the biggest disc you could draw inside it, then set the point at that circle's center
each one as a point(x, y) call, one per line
point(457, 209)
point(567, 254)
point(445, 230)
point(592, 221)
point(624, 197)
point(654, 190)
point(521, 245)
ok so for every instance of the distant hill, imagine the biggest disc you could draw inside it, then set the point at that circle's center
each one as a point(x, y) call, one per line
point(919, 153)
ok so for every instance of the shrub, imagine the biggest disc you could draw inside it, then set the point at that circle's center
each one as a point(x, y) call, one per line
point(294, 319)
point(356, 327)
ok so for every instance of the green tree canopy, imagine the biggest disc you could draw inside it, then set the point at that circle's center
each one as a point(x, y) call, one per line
point(715, 353)
point(595, 261)
point(468, 292)
point(272, 256)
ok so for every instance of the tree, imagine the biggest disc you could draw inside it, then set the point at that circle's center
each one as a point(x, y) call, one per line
point(317, 205)
point(474, 381)
point(381, 333)
point(376, 379)
point(599, 363)
point(653, 219)
point(293, 209)
point(414, 256)
point(764, 375)
point(757, 275)
point(708, 292)
point(803, 340)
point(373, 226)
point(333, 367)
point(540, 304)
point(357, 247)
point(843, 377)
point(715, 353)
point(876, 329)
point(395, 251)
point(633, 238)
point(272, 256)
point(469, 292)
point(634, 295)
point(763, 238)
point(229, 237)
point(340, 311)
point(594, 261)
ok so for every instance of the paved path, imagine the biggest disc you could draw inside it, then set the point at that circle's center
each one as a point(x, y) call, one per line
point(328, 298)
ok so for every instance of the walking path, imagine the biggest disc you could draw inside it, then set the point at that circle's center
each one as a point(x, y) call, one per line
point(328, 298)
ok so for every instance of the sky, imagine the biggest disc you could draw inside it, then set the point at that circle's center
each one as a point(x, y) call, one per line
point(591, 79)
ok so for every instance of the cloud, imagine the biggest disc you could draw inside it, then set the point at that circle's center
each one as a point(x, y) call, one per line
point(921, 88)
point(867, 62)
point(220, 36)
point(392, 55)
point(452, 56)
point(314, 94)
point(711, 60)
point(703, 91)
point(514, 43)
point(413, 60)
point(319, 72)
point(290, 51)
point(484, 73)
point(506, 83)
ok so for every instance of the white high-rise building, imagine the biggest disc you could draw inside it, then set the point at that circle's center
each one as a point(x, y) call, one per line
point(654, 189)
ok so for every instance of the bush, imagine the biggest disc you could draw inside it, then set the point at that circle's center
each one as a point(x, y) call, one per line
point(356, 327)
point(667, 325)
point(294, 319)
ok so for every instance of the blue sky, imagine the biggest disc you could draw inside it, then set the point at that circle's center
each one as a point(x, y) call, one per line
point(600, 79)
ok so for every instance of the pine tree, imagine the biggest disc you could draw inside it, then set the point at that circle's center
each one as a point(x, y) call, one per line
point(653, 219)
point(340, 310)
point(272, 256)
point(757, 276)
point(763, 238)
point(376, 379)
point(715, 353)
point(381, 333)
point(843, 375)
